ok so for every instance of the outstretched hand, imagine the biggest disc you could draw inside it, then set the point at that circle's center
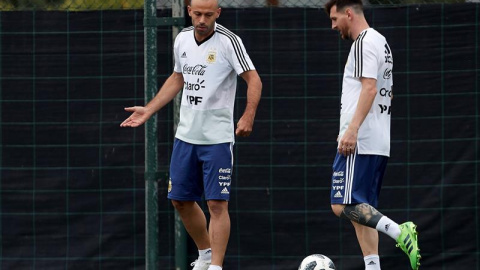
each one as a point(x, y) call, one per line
point(138, 117)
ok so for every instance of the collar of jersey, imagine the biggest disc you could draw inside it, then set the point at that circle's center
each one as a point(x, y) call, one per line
point(364, 30)
point(206, 39)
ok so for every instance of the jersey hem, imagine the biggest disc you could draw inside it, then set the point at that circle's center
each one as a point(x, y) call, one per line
point(373, 153)
point(203, 142)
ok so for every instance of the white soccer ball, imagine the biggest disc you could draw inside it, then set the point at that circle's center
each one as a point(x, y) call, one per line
point(316, 262)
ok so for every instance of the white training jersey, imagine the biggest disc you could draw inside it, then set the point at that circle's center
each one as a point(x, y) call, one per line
point(369, 57)
point(209, 71)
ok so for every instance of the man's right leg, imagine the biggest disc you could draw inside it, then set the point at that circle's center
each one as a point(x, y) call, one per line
point(185, 188)
point(195, 223)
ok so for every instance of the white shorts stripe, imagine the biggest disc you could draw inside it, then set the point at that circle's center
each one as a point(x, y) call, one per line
point(349, 171)
point(231, 153)
point(352, 173)
point(347, 181)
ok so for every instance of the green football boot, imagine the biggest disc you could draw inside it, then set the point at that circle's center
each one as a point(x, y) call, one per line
point(407, 241)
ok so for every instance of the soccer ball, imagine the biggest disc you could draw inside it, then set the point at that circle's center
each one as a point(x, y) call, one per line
point(316, 262)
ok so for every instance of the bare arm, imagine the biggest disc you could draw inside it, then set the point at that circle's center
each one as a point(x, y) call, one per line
point(348, 141)
point(254, 92)
point(169, 90)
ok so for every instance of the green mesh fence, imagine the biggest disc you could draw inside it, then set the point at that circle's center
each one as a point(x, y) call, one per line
point(72, 187)
point(63, 72)
point(285, 166)
point(138, 4)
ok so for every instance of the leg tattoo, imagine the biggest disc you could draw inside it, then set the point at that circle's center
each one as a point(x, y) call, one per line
point(363, 214)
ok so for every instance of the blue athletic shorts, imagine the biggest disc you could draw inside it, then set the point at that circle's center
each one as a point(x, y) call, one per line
point(200, 169)
point(357, 178)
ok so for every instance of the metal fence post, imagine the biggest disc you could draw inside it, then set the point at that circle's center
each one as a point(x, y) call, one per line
point(151, 22)
point(151, 149)
point(180, 232)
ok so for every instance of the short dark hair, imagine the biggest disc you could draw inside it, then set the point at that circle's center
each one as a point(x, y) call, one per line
point(341, 4)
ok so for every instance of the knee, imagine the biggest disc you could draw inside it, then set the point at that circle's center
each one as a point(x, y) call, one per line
point(337, 209)
point(181, 206)
point(217, 208)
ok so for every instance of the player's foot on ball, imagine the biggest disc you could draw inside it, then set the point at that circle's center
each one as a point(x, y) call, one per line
point(407, 241)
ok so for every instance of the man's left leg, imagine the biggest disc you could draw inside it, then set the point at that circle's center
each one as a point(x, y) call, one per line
point(217, 175)
point(219, 230)
point(368, 239)
point(363, 218)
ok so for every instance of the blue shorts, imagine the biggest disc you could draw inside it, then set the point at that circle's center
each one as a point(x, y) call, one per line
point(357, 178)
point(200, 169)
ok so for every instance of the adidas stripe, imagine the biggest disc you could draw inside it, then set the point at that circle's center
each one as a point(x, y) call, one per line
point(358, 54)
point(236, 46)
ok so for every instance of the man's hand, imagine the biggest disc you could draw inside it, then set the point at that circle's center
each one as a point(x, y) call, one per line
point(138, 117)
point(244, 126)
point(348, 142)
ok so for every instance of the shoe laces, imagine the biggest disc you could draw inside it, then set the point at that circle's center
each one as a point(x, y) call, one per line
point(199, 263)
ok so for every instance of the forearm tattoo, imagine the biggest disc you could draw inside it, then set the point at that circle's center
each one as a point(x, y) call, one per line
point(363, 214)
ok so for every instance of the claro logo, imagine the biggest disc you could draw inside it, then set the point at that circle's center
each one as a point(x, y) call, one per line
point(385, 92)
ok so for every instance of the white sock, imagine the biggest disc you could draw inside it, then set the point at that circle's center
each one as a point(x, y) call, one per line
point(389, 227)
point(205, 254)
point(214, 267)
point(372, 262)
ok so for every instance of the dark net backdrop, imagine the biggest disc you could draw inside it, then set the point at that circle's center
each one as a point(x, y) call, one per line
point(71, 183)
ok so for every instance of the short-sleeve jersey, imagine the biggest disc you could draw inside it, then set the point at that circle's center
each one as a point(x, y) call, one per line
point(209, 71)
point(369, 57)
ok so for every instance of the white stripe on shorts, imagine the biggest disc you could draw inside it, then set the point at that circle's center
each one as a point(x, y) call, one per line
point(349, 171)
point(231, 153)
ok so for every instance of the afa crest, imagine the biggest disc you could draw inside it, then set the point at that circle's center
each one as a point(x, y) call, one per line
point(211, 57)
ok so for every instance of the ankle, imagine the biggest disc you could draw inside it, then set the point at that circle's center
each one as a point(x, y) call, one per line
point(205, 254)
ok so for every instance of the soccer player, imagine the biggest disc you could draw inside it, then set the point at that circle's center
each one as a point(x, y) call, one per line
point(364, 136)
point(208, 58)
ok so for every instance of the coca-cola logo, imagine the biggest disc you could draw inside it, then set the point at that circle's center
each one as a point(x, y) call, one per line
point(194, 70)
